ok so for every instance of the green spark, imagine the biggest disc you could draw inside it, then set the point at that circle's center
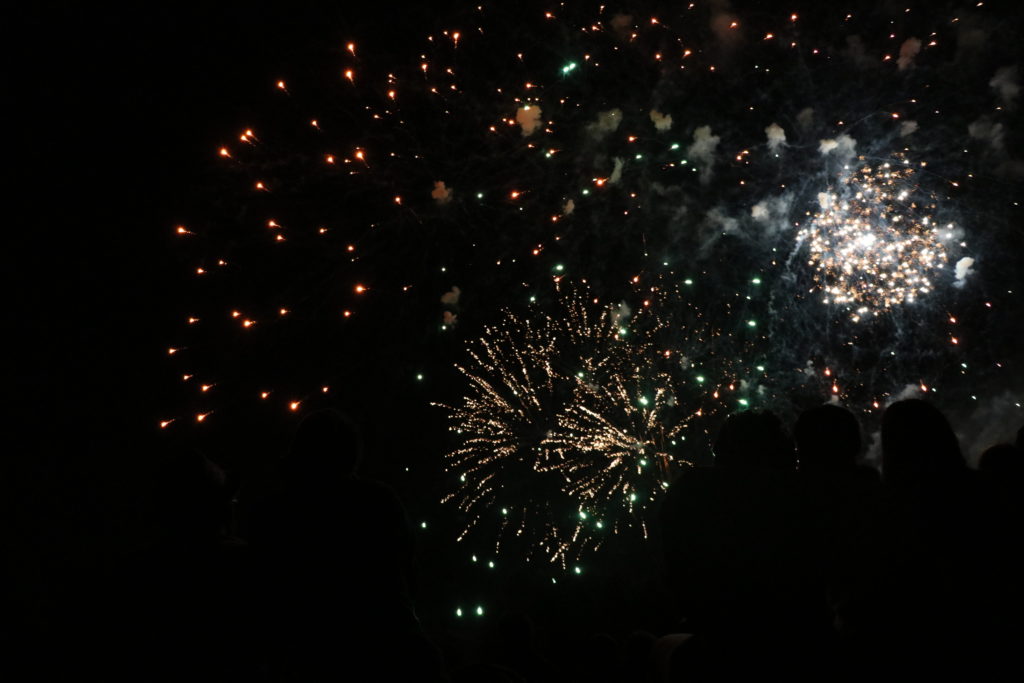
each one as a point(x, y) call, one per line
point(569, 67)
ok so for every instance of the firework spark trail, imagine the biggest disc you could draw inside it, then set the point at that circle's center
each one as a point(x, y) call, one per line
point(570, 423)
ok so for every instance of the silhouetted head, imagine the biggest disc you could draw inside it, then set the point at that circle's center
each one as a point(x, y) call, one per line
point(637, 653)
point(754, 439)
point(326, 448)
point(827, 439)
point(598, 658)
point(918, 444)
point(1003, 460)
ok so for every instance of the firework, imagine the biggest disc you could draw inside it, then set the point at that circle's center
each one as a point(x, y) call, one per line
point(874, 244)
point(510, 147)
point(572, 423)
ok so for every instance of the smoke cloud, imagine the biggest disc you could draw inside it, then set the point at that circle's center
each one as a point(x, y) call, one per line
point(772, 214)
point(907, 127)
point(607, 122)
point(908, 51)
point(776, 136)
point(662, 122)
point(440, 193)
point(984, 129)
point(528, 116)
point(616, 175)
point(451, 298)
point(805, 119)
point(703, 151)
point(964, 267)
point(1005, 83)
point(844, 146)
point(622, 25)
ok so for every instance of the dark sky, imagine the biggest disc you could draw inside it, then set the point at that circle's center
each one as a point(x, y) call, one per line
point(116, 113)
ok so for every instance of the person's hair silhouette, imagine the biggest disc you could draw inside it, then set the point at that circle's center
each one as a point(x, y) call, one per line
point(1002, 460)
point(918, 444)
point(754, 439)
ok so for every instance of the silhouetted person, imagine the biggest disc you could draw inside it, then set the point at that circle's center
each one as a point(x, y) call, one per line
point(485, 673)
point(637, 663)
point(754, 440)
point(847, 513)
point(919, 447)
point(940, 614)
point(736, 546)
point(1002, 467)
point(1002, 461)
point(597, 660)
point(338, 554)
point(513, 645)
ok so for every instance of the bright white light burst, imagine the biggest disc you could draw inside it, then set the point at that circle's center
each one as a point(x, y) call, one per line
point(874, 243)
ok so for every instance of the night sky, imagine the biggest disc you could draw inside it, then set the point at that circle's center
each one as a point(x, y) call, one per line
point(120, 116)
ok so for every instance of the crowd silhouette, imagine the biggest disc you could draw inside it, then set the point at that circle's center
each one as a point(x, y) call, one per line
point(786, 558)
